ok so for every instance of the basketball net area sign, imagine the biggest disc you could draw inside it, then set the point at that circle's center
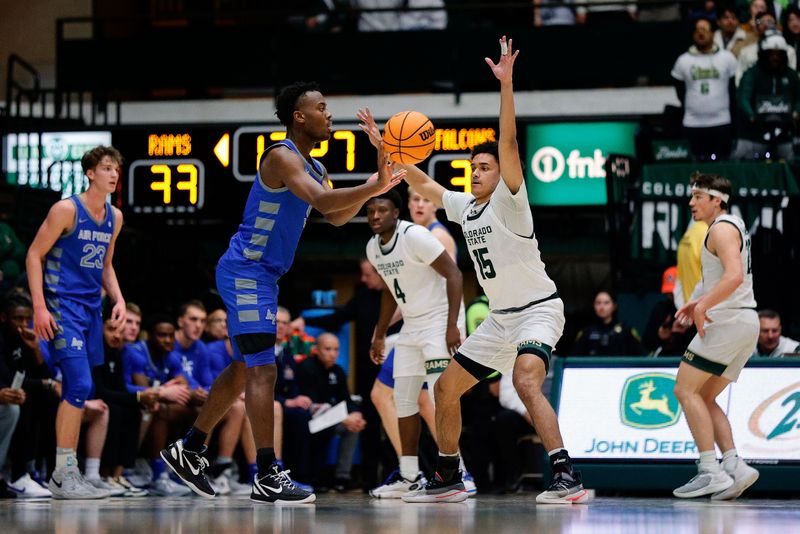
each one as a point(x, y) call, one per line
point(566, 161)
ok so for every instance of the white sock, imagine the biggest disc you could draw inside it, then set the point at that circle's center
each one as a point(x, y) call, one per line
point(708, 461)
point(729, 460)
point(93, 468)
point(555, 451)
point(65, 458)
point(223, 460)
point(409, 467)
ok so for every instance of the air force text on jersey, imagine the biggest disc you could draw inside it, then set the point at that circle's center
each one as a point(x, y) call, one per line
point(94, 235)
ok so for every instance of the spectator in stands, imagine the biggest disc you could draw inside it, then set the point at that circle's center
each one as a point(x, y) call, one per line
point(750, 54)
point(325, 383)
point(770, 341)
point(152, 363)
point(404, 19)
point(750, 26)
point(769, 103)
point(606, 336)
point(122, 440)
point(791, 28)
point(664, 336)
point(363, 308)
point(545, 14)
point(33, 439)
point(601, 13)
point(133, 323)
point(702, 78)
point(729, 35)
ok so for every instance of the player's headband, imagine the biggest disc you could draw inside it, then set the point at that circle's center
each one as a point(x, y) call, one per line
point(712, 192)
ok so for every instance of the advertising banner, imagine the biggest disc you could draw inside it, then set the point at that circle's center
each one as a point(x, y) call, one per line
point(565, 162)
point(632, 413)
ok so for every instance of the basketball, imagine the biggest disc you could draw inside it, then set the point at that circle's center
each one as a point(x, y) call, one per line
point(408, 137)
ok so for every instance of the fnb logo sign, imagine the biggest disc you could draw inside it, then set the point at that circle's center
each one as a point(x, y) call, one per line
point(548, 164)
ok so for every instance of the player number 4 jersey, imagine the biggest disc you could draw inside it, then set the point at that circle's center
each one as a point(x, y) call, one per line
point(742, 297)
point(404, 264)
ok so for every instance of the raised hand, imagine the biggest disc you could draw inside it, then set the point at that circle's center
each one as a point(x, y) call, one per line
point(504, 68)
point(369, 127)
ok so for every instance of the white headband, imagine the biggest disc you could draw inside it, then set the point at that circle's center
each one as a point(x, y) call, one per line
point(712, 192)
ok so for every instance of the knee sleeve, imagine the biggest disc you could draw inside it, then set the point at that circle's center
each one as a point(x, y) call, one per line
point(77, 382)
point(254, 343)
point(431, 380)
point(406, 394)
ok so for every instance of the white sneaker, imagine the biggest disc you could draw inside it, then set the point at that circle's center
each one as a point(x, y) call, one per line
point(166, 487)
point(221, 485)
point(237, 488)
point(113, 490)
point(130, 489)
point(141, 475)
point(69, 483)
point(704, 482)
point(27, 488)
point(395, 486)
point(743, 476)
point(469, 483)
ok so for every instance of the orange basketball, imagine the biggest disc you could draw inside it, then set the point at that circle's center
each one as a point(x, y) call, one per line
point(408, 137)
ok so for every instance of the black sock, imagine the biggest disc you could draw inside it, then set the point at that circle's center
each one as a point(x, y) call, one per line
point(264, 458)
point(560, 462)
point(195, 440)
point(447, 467)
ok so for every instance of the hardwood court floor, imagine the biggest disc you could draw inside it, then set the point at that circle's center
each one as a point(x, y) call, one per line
point(356, 514)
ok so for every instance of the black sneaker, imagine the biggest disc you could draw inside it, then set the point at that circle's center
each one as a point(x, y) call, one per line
point(189, 466)
point(277, 487)
point(437, 490)
point(565, 489)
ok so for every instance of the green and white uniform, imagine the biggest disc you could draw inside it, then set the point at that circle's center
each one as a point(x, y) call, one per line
point(526, 313)
point(732, 335)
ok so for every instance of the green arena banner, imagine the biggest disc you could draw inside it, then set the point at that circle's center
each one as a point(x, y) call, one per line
point(760, 196)
point(565, 163)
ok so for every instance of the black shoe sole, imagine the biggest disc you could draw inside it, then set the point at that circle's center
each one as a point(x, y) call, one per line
point(264, 500)
point(177, 470)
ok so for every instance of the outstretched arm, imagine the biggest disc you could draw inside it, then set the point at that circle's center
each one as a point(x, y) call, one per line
point(420, 181)
point(510, 166)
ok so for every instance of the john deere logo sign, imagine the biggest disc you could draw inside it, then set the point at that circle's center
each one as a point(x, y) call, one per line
point(648, 401)
point(567, 161)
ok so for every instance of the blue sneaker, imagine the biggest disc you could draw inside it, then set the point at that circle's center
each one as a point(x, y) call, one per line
point(469, 483)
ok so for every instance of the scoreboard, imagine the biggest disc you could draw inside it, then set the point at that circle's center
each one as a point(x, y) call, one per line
point(205, 172)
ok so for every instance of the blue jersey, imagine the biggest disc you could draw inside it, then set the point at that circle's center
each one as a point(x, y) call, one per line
point(272, 223)
point(74, 265)
point(218, 357)
point(136, 360)
point(194, 360)
point(437, 224)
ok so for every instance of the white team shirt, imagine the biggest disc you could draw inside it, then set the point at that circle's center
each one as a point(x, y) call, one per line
point(502, 245)
point(742, 297)
point(404, 264)
point(707, 77)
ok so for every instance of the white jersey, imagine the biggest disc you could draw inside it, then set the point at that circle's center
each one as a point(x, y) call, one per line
point(742, 296)
point(707, 77)
point(404, 264)
point(509, 265)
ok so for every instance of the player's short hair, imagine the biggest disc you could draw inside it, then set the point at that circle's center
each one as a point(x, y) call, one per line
point(133, 308)
point(712, 181)
point(392, 196)
point(489, 147)
point(92, 158)
point(285, 310)
point(190, 304)
point(16, 299)
point(158, 318)
point(769, 314)
point(288, 98)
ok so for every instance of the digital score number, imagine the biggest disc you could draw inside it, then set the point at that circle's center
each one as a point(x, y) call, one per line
point(166, 185)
